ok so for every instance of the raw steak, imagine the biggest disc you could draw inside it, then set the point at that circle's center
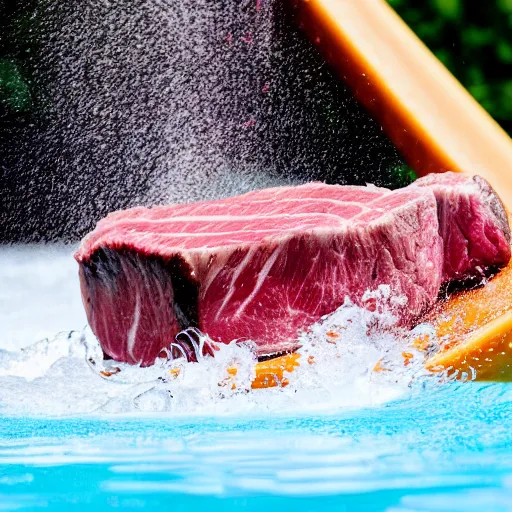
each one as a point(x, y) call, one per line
point(473, 224)
point(261, 266)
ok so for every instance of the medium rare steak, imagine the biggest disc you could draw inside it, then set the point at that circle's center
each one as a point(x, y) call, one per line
point(262, 266)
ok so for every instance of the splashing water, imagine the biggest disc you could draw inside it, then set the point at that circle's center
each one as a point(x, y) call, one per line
point(352, 357)
point(172, 101)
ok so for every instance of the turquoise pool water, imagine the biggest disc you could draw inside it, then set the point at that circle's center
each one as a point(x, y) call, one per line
point(339, 438)
point(449, 450)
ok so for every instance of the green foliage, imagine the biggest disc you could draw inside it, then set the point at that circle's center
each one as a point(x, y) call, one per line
point(448, 9)
point(404, 175)
point(14, 90)
point(19, 24)
point(474, 41)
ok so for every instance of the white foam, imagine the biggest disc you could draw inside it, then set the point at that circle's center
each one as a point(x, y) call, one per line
point(39, 294)
point(65, 374)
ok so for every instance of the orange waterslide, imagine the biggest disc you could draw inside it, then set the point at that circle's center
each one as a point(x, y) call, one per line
point(474, 329)
point(431, 118)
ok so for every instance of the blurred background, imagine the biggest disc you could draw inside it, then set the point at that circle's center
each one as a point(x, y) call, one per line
point(474, 41)
point(106, 105)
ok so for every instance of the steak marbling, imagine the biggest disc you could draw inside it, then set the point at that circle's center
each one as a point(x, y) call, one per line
point(267, 264)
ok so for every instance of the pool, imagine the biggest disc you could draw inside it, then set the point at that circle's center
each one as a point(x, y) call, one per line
point(354, 440)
